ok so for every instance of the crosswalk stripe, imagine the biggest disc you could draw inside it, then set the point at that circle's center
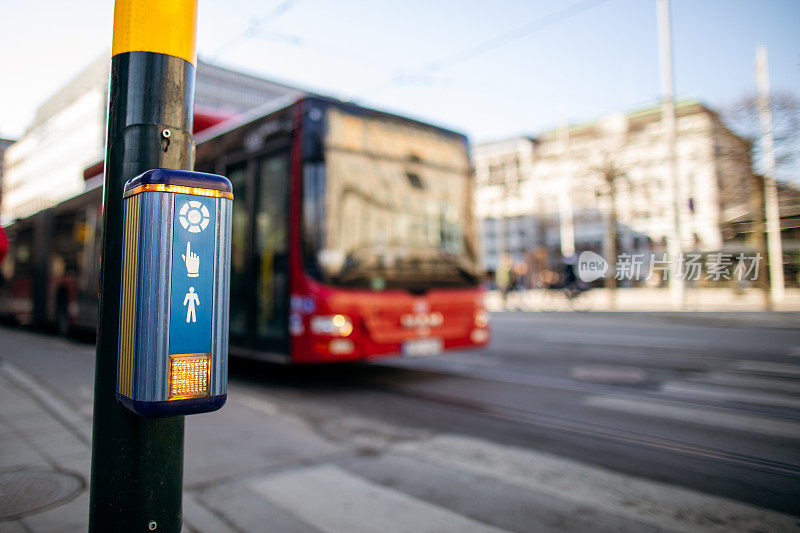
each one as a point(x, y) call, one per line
point(714, 392)
point(596, 338)
point(767, 367)
point(333, 500)
point(748, 381)
point(647, 502)
point(257, 404)
point(699, 415)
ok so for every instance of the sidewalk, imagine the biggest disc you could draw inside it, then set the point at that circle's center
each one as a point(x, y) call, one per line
point(44, 459)
point(45, 448)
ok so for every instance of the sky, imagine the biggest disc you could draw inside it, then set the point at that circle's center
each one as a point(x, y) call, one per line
point(492, 70)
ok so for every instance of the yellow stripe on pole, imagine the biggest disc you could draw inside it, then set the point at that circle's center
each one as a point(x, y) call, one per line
point(161, 26)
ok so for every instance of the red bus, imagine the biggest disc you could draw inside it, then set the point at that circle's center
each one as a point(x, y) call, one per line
point(353, 238)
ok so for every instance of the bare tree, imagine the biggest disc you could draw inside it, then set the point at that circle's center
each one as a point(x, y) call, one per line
point(742, 118)
point(605, 163)
point(611, 174)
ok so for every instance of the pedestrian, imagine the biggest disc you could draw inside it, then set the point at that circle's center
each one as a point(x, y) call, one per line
point(3, 252)
point(568, 275)
point(3, 244)
point(503, 276)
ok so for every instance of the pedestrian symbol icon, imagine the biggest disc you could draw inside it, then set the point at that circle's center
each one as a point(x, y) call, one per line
point(193, 216)
point(192, 261)
point(191, 300)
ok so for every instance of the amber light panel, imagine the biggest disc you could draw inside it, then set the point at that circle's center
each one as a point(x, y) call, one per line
point(189, 376)
point(178, 189)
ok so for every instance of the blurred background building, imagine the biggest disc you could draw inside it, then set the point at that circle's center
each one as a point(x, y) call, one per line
point(46, 165)
point(536, 198)
point(555, 194)
point(4, 144)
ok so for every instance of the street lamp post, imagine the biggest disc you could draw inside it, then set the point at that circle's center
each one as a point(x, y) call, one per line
point(772, 209)
point(668, 120)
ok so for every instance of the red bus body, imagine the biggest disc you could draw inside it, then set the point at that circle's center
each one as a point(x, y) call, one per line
point(378, 329)
point(280, 310)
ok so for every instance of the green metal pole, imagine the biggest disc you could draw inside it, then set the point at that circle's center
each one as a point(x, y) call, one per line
point(137, 463)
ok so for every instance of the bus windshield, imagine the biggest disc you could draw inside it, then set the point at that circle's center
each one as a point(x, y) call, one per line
point(389, 208)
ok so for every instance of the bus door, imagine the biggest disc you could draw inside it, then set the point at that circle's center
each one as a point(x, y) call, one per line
point(240, 292)
point(271, 251)
point(259, 251)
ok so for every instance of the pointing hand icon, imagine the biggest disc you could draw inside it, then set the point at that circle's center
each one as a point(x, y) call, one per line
point(192, 261)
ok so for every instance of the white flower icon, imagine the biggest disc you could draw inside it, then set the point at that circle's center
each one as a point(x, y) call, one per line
point(193, 216)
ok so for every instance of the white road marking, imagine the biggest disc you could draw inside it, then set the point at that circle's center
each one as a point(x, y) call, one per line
point(708, 416)
point(257, 404)
point(596, 338)
point(333, 500)
point(501, 375)
point(714, 392)
point(647, 502)
point(608, 373)
point(749, 381)
point(783, 369)
point(479, 359)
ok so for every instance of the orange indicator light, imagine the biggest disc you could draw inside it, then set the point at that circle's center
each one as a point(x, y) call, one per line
point(189, 376)
point(178, 189)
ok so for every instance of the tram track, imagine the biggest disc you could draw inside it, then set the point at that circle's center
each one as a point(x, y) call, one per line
point(388, 378)
point(607, 432)
point(585, 428)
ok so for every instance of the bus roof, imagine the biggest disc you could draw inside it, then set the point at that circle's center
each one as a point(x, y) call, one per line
point(281, 104)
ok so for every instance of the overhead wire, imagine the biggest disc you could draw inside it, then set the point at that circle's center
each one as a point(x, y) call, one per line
point(254, 27)
point(490, 44)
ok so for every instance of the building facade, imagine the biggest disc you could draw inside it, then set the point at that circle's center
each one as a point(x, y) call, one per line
point(45, 166)
point(558, 193)
point(4, 144)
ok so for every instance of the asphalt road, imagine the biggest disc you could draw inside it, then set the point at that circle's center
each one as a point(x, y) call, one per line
point(567, 421)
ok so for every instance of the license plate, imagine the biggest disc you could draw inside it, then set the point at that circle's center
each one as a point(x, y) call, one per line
point(422, 347)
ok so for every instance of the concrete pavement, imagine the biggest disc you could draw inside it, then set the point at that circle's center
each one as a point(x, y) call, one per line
point(41, 446)
point(288, 456)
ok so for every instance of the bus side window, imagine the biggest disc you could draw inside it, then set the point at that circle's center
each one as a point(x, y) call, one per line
point(313, 236)
point(240, 235)
point(23, 253)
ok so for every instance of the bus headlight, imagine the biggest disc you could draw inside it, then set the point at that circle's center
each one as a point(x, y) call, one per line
point(334, 325)
point(479, 336)
point(481, 318)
